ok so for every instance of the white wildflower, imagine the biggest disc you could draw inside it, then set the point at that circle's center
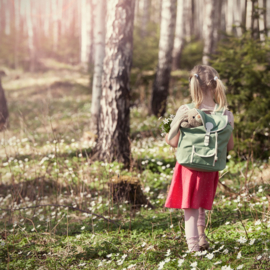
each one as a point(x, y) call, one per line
point(226, 267)
point(252, 242)
point(167, 260)
point(218, 262)
point(226, 251)
point(168, 252)
point(180, 262)
point(239, 255)
point(130, 266)
point(259, 257)
point(258, 222)
point(160, 265)
point(194, 264)
point(143, 244)
point(240, 266)
point(83, 227)
point(242, 240)
point(210, 256)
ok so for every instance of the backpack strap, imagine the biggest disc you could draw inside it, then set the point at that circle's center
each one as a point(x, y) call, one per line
point(190, 105)
point(215, 112)
point(221, 111)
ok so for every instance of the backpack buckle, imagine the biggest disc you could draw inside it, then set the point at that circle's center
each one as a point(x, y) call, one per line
point(206, 139)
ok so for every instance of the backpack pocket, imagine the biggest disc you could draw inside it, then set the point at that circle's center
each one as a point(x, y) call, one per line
point(203, 156)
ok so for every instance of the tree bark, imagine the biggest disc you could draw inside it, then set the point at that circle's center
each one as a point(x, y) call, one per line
point(208, 30)
point(3, 106)
point(179, 35)
point(162, 78)
point(99, 33)
point(113, 140)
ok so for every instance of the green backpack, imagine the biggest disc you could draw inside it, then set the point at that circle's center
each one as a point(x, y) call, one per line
point(204, 148)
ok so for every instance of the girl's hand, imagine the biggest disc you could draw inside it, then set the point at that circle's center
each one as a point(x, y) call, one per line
point(174, 141)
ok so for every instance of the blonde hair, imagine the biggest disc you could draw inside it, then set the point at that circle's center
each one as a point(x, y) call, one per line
point(204, 79)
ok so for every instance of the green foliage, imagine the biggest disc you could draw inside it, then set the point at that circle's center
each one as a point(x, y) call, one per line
point(243, 63)
point(145, 50)
point(192, 54)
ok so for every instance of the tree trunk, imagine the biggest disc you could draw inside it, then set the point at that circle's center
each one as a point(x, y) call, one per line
point(208, 30)
point(86, 28)
point(262, 20)
point(162, 78)
point(230, 12)
point(188, 19)
point(179, 35)
point(7, 17)
point(249, 15)
point(113, 140)
point(218, 24)
point(55, 24)
point(268, 18)
point(237, 17)
point(200, 14)
point(3, 106)
point(254, 20)
point(17, 15)
point(145, 17)
point(30, 32)
point(99, 32)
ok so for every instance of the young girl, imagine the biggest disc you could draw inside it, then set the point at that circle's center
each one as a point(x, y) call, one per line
point(191, 190)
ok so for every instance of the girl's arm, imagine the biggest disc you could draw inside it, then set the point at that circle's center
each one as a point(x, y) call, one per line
point(230, 144)
point(174, 141)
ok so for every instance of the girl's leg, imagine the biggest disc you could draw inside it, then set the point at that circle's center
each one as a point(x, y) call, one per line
point(191, 219)
point(201, 220)
point(201, 226)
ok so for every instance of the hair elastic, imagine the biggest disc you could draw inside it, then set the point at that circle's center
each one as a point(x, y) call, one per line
point(196, 75)
point(215, 78)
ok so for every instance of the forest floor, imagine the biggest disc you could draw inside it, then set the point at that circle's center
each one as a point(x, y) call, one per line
point(45, 161)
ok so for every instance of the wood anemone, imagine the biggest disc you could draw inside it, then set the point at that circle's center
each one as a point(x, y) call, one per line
point(127, 188)
point(3, 105)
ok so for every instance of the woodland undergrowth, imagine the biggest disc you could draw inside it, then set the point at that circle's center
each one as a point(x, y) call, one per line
point(57, 211)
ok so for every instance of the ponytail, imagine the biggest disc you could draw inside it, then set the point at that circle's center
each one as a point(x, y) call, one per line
point(220, 96)
point(195, 91)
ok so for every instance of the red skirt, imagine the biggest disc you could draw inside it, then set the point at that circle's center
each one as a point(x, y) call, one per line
point(192, 189)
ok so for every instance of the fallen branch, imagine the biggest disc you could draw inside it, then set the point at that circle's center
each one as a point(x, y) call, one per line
point(58, 205)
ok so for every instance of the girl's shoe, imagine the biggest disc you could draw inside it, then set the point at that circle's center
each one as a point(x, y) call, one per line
point(204, 245)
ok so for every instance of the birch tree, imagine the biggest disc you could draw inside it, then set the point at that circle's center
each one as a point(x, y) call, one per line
point(209, 25)
point(30, 33)
point(86, 28)
point(162, 78)
point(179, 35)
point(268, 18)
point(230, 12)
point(99, 33)
point(113, 140)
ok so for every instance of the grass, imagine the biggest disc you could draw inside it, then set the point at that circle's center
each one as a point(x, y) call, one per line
point(45, 161)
